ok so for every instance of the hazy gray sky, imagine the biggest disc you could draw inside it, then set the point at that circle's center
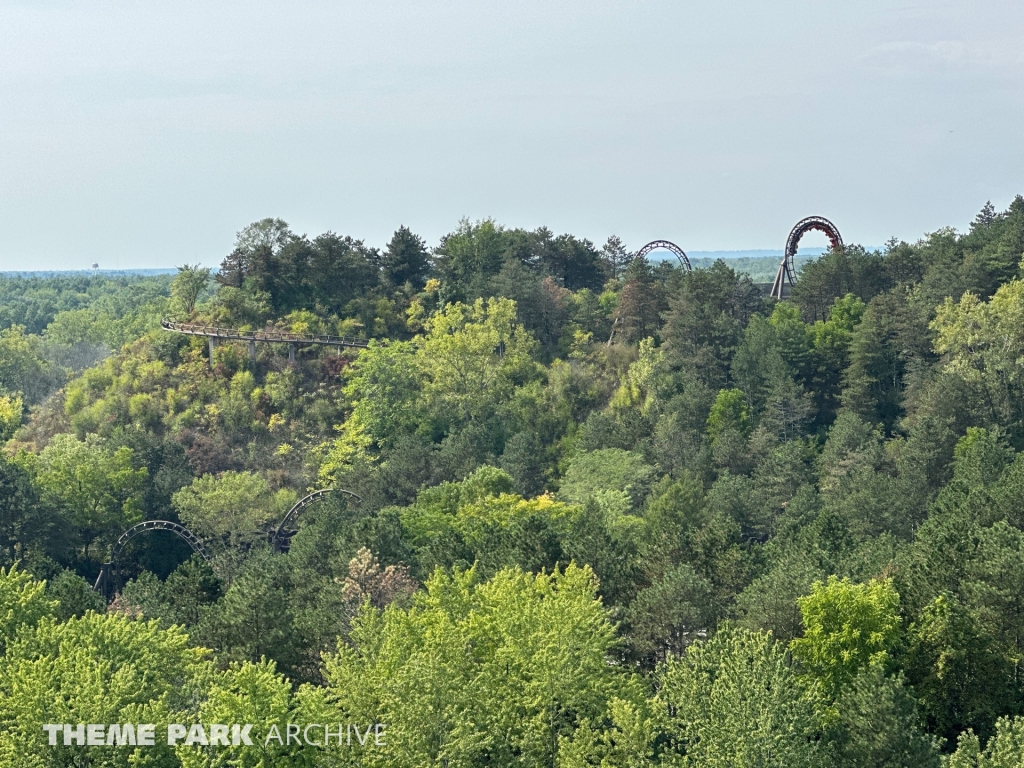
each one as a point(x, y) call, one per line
point(146, 134)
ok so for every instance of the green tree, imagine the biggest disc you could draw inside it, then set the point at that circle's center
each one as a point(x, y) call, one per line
point(471, 358)
point(234, 505)
point(607, 470)
point(626, 738)
point(573, 262)
point(188, 285)
point(524, 459)
point(97, 488)
point(495, 672)
point(23, 602)
point(1004, 750)
point(641, 302)
point(728, 426)
point(95, 669)
point(469, 256)
point(879, 725)
point(831, 342)
point(842, 271)
point(729, 413)
point(333, 273)
point(25, 524)
point(384, 388)
point(846, 627)
point(960, 677)
point(74, 595)
point(982, 343)
point(11, 409)
point(22, 367)
point(705, 321)
point(405, 260)
point(249, 693)
point(758, 367)
point(669, 615)
point(255, 618)
point(736, 700)
point(184, 598)
point(886, 347)
point(616, 256)
point(673, 510)
point(770, 602)
point(254, 243)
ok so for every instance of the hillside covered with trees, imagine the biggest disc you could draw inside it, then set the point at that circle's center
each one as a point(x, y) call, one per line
point(602, 511)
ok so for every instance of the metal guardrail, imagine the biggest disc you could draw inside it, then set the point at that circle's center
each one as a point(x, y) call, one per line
point(279, 337)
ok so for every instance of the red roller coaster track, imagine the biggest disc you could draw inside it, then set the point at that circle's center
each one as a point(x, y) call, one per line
point(785, 278)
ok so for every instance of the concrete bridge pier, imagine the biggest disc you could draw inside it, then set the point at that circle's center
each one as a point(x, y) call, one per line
point(291, 351)
point(213, 346)
point(252, 350)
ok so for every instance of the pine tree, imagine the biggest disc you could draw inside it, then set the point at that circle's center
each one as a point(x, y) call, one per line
point(640, 304)
point(616, 256)
point(405, 260)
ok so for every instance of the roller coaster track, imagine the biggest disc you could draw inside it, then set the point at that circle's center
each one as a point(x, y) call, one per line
point(106, 576)
point(278, 540)
point(667, 245)
point(159, 525)
point(656, 245)
point(785, 278)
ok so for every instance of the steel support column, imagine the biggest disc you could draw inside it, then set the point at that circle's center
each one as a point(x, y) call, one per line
point(104, 581)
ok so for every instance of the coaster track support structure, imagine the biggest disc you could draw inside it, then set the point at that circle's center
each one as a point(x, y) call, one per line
point(785, 278)
point(215, 333)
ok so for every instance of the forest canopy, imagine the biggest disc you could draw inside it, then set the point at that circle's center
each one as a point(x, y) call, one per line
point(597, 510)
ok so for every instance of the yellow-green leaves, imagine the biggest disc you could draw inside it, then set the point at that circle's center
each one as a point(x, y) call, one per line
point(97, 669)
point(640, 384)
point(1004, 750)
point(494, 672)
point(464, 367)
point(188, 285)
point(22, 603)
point(983, 336)
point(846, 627)
point(11, 407)
point(96, 487)
point(252, 694)
point(729, 413)
point(472, 356)
point(233, 504)
point(383, 388)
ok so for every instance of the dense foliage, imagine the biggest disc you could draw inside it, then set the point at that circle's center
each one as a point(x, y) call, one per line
point(603, 512)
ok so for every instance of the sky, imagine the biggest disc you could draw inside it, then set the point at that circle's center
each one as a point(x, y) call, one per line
point(139, 135)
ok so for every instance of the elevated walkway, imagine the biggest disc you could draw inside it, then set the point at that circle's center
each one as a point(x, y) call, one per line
point(213, 333)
